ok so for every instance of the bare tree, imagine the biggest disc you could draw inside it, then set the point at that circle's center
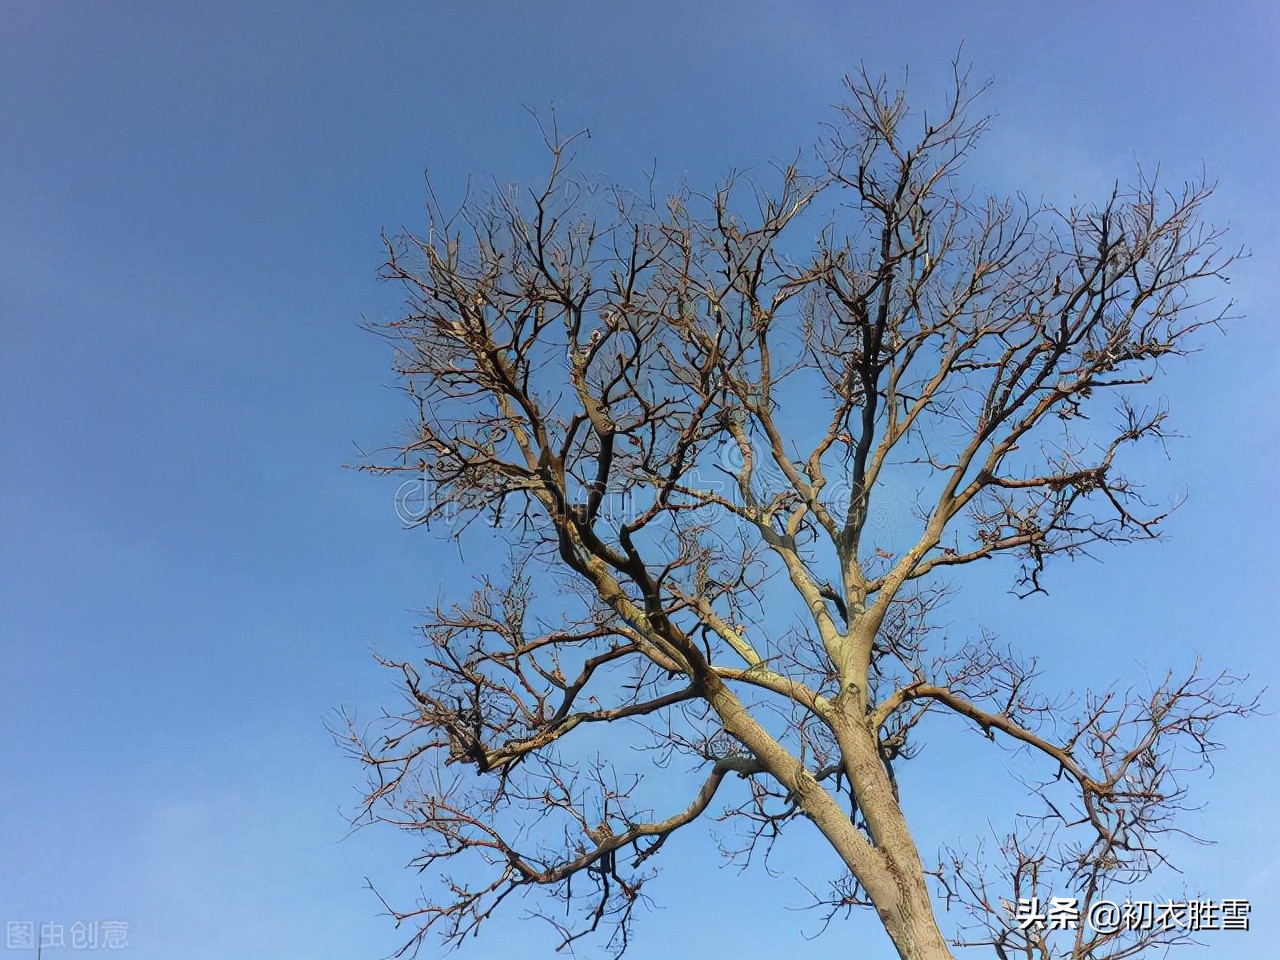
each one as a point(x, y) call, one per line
point(679, 417)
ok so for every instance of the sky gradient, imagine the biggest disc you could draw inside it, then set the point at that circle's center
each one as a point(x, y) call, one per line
point(191, 197)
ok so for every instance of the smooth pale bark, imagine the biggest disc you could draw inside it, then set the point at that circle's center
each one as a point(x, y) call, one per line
point(907, 914)
point(889, 868)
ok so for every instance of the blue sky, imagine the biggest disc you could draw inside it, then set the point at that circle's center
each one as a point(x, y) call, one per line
point(190, 203)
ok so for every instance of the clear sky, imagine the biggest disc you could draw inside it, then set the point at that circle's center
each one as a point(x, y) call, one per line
point(190, 203)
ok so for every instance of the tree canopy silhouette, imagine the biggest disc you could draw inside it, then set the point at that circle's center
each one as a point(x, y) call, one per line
point(680, 415)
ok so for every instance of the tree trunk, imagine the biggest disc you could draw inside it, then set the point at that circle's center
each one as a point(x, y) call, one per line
point(907, 913)
point(889, 868)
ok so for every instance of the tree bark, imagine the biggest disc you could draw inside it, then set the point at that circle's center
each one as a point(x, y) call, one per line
point(907, 911)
